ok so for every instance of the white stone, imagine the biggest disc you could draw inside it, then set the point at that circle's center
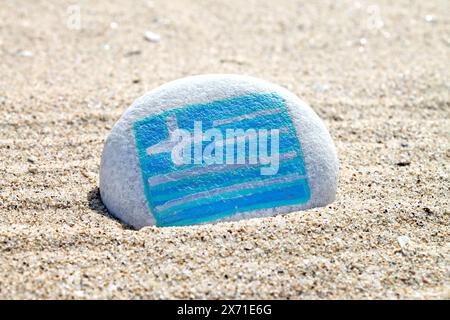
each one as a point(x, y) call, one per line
point(25, 53)
point(122, 182)
point(403, 241)
point(152, 36)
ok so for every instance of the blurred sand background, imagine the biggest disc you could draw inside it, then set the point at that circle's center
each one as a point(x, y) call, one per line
point(377, 72)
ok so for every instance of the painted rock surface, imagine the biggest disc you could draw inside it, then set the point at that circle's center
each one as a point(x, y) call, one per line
point(216, 148)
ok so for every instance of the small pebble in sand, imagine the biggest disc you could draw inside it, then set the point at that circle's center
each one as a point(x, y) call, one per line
point(152, 36)
point(403, 163)
point(321, 87)
point(430, 18)
point(133, 53)
point(403, 242)
point(31, 159)
point(32, 170)
point(404, 144)
point(25, 53)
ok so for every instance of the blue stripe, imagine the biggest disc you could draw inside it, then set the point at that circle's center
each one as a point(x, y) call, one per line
point(229, 108)
point(162, 163)
point(269, 121)
point(217, 200)
point(178, 189)
point(290, 195)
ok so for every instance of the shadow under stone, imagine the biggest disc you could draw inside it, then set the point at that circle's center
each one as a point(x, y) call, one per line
point(95, 203)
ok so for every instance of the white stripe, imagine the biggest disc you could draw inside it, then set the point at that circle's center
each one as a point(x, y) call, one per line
point(201, 170)
point(234, 187)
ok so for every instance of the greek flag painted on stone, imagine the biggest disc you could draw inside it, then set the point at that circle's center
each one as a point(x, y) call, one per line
point(200, 191)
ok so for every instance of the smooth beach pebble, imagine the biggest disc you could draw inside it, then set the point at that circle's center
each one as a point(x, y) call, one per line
point(214, 148)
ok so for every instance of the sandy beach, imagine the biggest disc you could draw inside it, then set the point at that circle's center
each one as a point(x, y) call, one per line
point(377, 73)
